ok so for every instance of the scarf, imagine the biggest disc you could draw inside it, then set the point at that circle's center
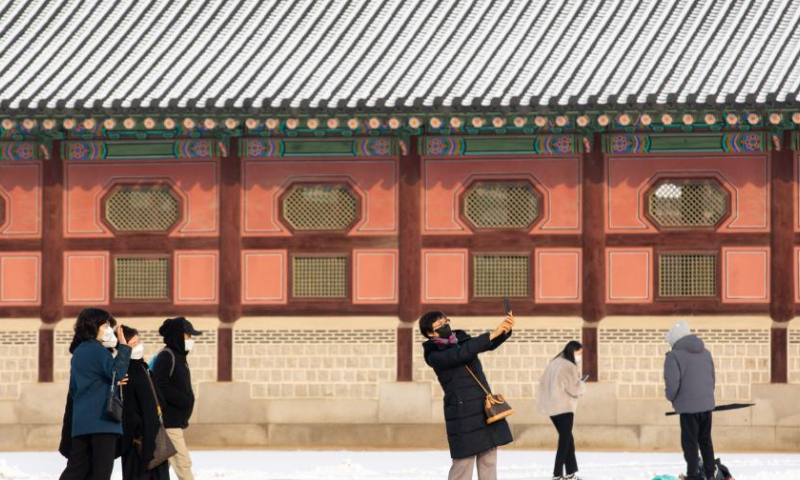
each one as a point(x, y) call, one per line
point(451, 340)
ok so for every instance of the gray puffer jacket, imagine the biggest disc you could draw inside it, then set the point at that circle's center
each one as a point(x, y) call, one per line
point(689, 376)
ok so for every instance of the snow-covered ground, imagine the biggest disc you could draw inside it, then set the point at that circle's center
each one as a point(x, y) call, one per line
point(415, 465)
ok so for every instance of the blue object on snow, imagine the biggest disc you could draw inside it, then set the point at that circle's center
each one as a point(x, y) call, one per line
point(665, 477)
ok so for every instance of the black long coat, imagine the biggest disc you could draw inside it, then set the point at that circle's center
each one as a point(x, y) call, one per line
point(467, 431)
point(140, 420)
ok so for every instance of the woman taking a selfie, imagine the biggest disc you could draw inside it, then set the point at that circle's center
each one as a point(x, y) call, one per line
point(94, 369)
point(557, 397)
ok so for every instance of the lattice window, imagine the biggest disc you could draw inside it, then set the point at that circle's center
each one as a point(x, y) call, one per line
point(688, 203)
point(320, 207)
point(502, 276)
point(319, 277)
point(141, 278)
point(142, 209)
point(501, 205)
point(687, 275)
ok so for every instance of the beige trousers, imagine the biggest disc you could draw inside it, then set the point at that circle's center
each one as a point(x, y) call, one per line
point(487, 466)
point(180, 462)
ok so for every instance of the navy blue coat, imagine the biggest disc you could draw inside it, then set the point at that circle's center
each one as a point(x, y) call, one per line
point(468, 433)
point(89, 386)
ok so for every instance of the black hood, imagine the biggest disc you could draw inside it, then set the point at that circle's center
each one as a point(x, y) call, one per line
point(690, 343)
point(173, 330)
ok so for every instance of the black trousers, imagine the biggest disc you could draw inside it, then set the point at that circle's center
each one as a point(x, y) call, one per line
point(91, 457)
point(696, 434)
point(565, 456)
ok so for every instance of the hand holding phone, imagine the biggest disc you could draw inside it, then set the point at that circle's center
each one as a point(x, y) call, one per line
point(585, 377)
point(506, 305)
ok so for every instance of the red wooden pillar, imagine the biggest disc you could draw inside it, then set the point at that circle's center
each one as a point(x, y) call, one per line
point(410, 246)
point(782, 296)
point(594, 279)
point(52, 257)
point(230, 256)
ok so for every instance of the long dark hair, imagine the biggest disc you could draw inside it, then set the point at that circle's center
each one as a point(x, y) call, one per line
point(569, 351)
point(89, 322)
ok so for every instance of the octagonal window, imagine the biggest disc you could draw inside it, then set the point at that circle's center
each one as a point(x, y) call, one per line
point(687, 203)
point(320, 207)
point(142, 209)
point(501, 205)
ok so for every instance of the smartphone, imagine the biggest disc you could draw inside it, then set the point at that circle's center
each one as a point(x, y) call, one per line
point(506, 305)
point(585, 377)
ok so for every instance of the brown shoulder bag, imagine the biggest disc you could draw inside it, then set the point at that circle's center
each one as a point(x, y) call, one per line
point(164, 447)
point(496, 407)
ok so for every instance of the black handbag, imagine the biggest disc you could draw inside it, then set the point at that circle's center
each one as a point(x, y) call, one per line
point(114, 402)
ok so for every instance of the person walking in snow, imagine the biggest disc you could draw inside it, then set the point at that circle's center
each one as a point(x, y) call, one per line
point(140, 417)
point(557, 397)
point(690, 380)
point(174, 380)
point(450, 352)
point(93, 369)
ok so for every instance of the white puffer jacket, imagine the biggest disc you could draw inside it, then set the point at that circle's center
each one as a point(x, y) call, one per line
point(559, 388)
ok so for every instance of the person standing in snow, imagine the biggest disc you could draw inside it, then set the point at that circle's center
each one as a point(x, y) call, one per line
point(93, 369)
point(449, 353)
point(690, 380)
point(140, 417)
point(557, 397)
point(174, 380)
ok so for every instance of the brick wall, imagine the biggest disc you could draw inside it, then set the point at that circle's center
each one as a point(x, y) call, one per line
point(634, 358)
point(314, 363)
point(18, 361)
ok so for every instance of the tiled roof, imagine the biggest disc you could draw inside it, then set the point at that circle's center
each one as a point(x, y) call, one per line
point(414, 55)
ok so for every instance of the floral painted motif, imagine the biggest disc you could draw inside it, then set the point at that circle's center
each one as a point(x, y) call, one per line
point(78, 150)
point(438, 146)
point(553, 144)
point(743, 142)
point(17, 151)
point(194, 149)
point(262, 148)
point(372, 147)
point(628, 143)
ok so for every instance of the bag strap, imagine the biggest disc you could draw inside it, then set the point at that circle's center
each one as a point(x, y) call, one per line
point(171, 354)
point(487, 392)
point(155, 395)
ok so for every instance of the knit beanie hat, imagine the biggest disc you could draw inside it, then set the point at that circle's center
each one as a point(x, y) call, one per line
point(680, 330)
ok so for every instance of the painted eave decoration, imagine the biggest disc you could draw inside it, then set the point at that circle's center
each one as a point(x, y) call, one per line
point(170, 68)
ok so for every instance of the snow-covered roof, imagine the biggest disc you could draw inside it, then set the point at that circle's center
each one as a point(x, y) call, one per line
point(415, 55)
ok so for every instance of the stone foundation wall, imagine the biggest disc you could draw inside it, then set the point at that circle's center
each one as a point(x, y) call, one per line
point(633, 357)
point(327, 358)
point(794, 354)
point(19, 359)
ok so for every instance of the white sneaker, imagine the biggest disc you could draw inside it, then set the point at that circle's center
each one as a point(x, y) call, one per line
point(574, 476)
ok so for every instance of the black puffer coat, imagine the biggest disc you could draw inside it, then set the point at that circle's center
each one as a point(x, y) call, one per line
point(173, 377)
point(467, 431)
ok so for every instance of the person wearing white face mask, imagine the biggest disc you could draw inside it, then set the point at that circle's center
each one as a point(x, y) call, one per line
point(173, 379)
point(557, 397)
point(140, 419)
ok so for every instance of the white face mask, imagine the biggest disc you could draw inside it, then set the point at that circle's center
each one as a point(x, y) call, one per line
point(189, 344)
point(109, 339)
point(137, 352)
point(578, 359)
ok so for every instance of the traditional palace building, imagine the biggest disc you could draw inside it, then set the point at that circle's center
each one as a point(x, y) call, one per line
point(304, 178)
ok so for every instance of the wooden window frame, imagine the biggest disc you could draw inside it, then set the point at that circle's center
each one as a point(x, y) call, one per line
point(141, 185)
point(348, 277)
point(333, 183)
point(716, 298)
point(170, 279)
point(462, 205)
point(650, 191)
point(472, 275)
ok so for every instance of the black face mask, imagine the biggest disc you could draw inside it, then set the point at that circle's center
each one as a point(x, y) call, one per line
point(444, 331)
